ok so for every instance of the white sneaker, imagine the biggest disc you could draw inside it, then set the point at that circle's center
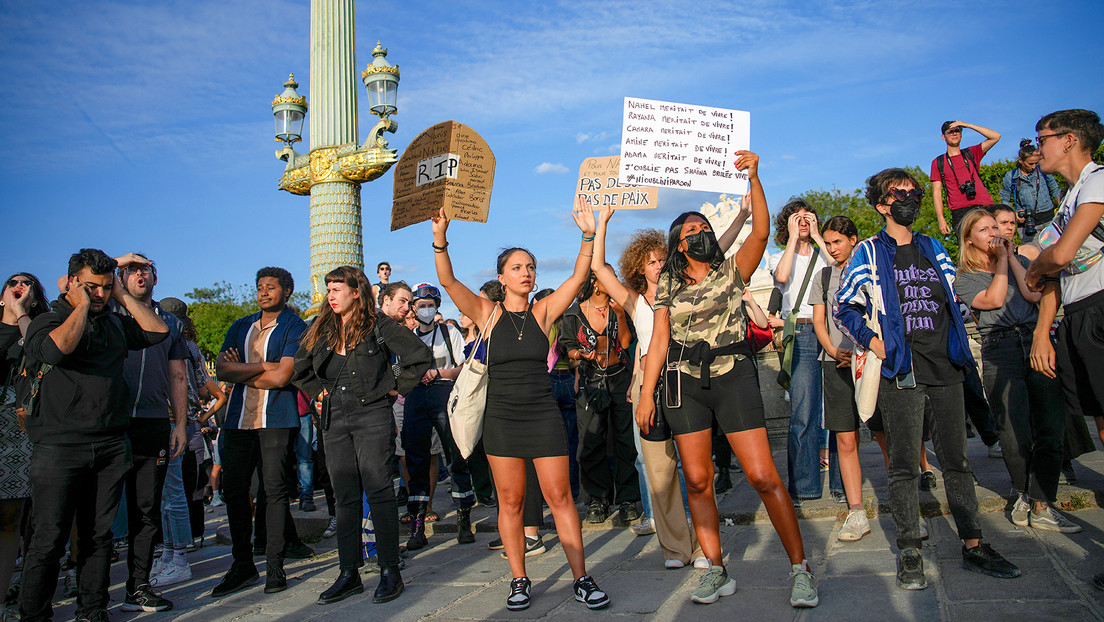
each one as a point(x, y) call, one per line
point(855, 527)
point(1053, 520)
point(216, 499)
point(923, 529)
point(644, 528)
point(331, 529)
point(172, 574)
point(1020, 510)
point(703, 563)
point(673, 564)
point(995, 450)
point(158, 567)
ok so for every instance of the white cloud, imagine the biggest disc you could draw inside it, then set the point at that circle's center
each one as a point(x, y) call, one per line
point(582, 137)
point(615, 148)
point(787, 156)
point(548, 167)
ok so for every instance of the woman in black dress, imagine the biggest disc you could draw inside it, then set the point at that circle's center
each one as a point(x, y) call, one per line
point(522, 419)
point(344, 361)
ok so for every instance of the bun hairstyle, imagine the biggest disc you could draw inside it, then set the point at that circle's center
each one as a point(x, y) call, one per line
point(1027, 149)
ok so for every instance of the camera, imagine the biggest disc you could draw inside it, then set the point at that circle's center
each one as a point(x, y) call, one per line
point(1029, 224)
point(967, 187)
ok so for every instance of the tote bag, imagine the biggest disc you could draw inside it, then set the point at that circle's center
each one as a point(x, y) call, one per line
point(866, 367)
point(468, 399)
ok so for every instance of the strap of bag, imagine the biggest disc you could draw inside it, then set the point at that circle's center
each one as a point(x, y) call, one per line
point(448, 343)
point(825, 280)
point(791, 319)
point(485, 338)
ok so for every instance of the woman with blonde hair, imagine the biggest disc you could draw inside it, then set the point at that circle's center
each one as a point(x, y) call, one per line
point(344, 361)
point(991, 279)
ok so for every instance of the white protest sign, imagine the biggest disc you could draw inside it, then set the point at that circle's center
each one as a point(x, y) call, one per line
point(683, 146)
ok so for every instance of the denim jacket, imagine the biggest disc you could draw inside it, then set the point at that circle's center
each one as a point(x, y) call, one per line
point(1036, 191)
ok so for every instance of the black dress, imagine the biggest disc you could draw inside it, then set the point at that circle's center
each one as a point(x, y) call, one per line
point(522, 419)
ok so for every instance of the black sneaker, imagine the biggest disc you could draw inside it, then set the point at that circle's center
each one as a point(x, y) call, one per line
point(487, 501)
point(1098, 581)
point(99, 615)
point(520, 589)
point(238, 577)
point(496, 544)
point(627, 513)
point(587, 592)
point(598, 512)
point(928, 481)
point(533, 546)
point(306, 504)
point(297, 550)
point(145, 599)
point(910, 570)
point(982, 558)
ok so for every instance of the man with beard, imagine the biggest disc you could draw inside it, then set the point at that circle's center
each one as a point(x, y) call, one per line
point(78, 428)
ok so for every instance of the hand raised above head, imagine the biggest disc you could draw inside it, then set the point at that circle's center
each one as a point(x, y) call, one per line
point(584, 216)
point(606, 214)
point(440, 223)
point(749, 161)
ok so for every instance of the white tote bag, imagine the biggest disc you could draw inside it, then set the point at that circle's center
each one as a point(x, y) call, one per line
point(866, 367)
point(468, 399)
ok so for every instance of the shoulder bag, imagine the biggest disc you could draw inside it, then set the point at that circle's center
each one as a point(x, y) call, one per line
point(468, 399)
point(866, 367)
point(790, 330)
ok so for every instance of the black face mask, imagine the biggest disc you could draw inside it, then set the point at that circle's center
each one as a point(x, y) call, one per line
point(905, 211)
point(701, 246)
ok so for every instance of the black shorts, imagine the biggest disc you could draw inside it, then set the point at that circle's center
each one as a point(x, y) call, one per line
point(841, 414)
point(733, 400)
point(1080, 349)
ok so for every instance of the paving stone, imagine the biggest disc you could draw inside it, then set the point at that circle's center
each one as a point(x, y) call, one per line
point(1039, 581)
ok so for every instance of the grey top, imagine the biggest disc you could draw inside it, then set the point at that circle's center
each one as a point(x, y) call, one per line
point(1016, 311)
point(816, 296)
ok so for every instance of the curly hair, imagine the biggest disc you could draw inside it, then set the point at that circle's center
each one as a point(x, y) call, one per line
point(782, 220)
point(635, 257)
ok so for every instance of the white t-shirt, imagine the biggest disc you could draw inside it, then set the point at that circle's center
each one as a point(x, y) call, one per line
point(792, 287)
point(436, 342)
point(1088, 189)
point(643, 319)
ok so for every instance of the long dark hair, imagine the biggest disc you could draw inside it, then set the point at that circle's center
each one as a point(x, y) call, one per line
point(328, 326)
point(677, 263)
point(40, 304)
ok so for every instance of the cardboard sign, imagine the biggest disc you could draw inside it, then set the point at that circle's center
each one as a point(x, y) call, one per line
point(448, 166)
point(683, 146)
point(598, 184)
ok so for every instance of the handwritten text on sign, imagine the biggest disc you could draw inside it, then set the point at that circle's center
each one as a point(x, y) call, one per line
point(437, 167)
point(599, 186)
point(683, 146)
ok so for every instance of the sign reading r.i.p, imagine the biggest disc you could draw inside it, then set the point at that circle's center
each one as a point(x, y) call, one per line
point(445, 165)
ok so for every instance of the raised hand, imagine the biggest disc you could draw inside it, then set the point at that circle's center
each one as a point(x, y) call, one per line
point(749, 161)
point(584, 216)
point(440, 225)
point(606, 214)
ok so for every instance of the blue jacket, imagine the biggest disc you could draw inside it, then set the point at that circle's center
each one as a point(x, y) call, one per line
point(854, 305)
point(281, 410)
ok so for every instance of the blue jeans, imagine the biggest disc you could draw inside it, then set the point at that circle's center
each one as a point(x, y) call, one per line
point(176, 525)
point(304, 455)
point(803, 444)
point(563, 387)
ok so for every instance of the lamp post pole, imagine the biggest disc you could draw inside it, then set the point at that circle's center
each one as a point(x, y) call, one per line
point(331, 173)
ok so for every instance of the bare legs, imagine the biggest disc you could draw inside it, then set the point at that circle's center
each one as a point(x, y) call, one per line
point(552, 473)
point(752, 449)
point(848, 445)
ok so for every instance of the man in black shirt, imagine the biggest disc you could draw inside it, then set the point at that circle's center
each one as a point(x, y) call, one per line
point(78, 429)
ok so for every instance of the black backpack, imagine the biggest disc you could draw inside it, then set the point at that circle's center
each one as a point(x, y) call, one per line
point(967, 157)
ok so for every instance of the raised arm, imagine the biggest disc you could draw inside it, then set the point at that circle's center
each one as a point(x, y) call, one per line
point(547, 309)
point(729, 237)
point(751, 253)
point(469, 303)
point(618, 292)
point(991, 136)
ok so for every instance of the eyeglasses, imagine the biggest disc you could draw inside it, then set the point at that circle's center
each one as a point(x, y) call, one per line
point(1039, 140)
point(426, 291)
point(954, 130)
point(901, 195)
point(139, 269)
point(14, 282)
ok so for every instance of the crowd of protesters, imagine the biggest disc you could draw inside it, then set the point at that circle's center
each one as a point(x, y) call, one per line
point(628, 394)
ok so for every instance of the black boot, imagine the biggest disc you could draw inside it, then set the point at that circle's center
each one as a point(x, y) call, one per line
point(417, 532)
point(723, 482)
point(347, 584)
point(390, 585)
point(275, 579)
point(464, 533)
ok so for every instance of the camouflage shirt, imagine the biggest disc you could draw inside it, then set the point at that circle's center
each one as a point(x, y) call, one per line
point(709, 311)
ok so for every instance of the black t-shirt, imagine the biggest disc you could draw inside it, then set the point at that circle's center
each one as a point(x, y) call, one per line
point(925, 311)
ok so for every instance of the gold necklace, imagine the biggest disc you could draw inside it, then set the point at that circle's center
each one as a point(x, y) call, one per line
point(525, 315)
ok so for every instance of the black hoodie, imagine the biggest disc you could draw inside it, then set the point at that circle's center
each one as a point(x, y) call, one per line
point(83, 398)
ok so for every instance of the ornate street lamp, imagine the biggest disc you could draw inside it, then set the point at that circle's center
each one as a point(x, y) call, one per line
point(334, 168)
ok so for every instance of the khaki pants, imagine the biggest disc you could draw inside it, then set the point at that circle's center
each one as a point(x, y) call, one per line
point(676, 537)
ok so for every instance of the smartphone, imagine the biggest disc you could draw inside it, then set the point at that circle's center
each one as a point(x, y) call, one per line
point(672, 386)
point(908, 381)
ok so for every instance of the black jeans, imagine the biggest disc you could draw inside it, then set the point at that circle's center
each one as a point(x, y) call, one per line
point(1029, 408)
point(595, 428)
point(903, 417)
point(424, 411)
point(322, 474)
point(978, 410)
point(243, 451)
point(149, 445)
point(359, 447)
point(85, 481)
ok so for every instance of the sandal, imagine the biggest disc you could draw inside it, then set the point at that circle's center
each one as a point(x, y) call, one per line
point(406, 518)
point(432, 516)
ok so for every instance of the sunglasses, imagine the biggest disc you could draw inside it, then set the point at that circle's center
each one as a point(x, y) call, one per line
point(954, 130)
point(14, 282)
point(901, 195)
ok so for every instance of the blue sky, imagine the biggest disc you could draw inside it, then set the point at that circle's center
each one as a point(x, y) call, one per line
point(147, 125)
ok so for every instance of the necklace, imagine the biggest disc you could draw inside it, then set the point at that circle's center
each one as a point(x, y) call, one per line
point(520, 331)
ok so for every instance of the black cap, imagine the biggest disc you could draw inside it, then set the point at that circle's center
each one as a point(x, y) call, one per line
point(946, 124)
point(175, 306)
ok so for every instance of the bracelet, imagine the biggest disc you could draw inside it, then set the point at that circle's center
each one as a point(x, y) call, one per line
point(439, 248)
point(22, 316)
point(590, 239)
point(586, 254)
